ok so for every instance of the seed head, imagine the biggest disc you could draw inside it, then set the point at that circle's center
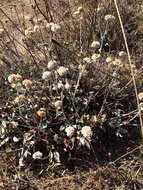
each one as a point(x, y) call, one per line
point(14, 78)
point(37, 155)
point(27, 83)
point(87, 132)
point(41, 113)
point(19, 99)
point(70, 131)
point(55, 28)
point(52, 64)
point(109, 17)
point(58, 104)
point(62, 71)
point(95, 44)
point(47, 75)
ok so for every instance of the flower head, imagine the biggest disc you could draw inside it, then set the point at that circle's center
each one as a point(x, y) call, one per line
point(36, 28)
point(62, 71)
point(60, 85)
point(70, 131)
point(28, 31)
point(118, 62)
point(55, 28)
point(95, 56)
point(48, 26)
point(17, 85)
point(47, 75)
point(14, 78)
point(15, 139)
point(58, 104)
point(19, 99)
point(140, 95)
point(52, 64)
point(109, 59)
point(87, 59)
point(109, 17)
point(95, 44)
point(37, 155)
point(122, 54)
point(27, 83)
point(86, 132)
point(41, 113)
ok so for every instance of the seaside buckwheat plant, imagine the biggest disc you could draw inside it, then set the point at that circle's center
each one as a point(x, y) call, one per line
point(64, 80)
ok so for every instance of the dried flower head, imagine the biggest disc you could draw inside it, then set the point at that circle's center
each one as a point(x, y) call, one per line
point(52, 64)
point(118, 62)
point(109, 59)
point(41, 113)
point(58, 104)
point(14, 124)
point(60, 85)
point(55, 28)
point(47, 75)
point(70, 131)
point(99, 9)
point(19, 99)
point(28, 31)
point(14, 78)
point(37, 155)
point(62, 71)
point(15, 139)
point(109, 17)
point(48, 26)
point(67, 85)
point(122, 54)
point(27, 83)
point(95, 56)
point(95, 44)
point(36, 28)
point(86, 132)
point(141, 106)
point(17, 85)
point(140, 95)
point(87, 59)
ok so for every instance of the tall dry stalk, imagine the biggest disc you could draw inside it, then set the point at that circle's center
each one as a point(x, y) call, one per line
point(129, 58)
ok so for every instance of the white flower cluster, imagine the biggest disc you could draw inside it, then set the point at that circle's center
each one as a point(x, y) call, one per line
point(86, 132)
point(70, 131)
point(37, 155)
